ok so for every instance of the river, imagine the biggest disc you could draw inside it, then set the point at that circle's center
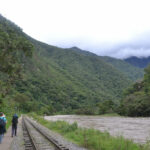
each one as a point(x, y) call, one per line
point(137, 129)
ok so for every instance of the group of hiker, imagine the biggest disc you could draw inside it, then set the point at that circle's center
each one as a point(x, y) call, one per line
point(3, 122)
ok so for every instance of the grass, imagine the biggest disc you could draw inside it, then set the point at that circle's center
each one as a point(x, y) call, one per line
point(110, 115)
point(8, 121)
point(90, 138)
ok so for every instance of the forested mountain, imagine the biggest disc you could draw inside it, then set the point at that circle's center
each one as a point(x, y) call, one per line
point(138, 62)
point(137, 98)
point(55, 79)
point(69, 80)
point(132, 72)
point(14, 48)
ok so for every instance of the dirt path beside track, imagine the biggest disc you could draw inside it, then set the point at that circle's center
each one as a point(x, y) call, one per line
point(5, 145)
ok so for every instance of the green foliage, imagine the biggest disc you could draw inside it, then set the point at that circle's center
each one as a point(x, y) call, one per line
point(136, 101)
point(23, 102)
point(14, 47)
point(90, 138)
point(130, 71)
point(54, 79)
point(106, 107)
point(87, 110)
point(147, 80)
point(69, 81)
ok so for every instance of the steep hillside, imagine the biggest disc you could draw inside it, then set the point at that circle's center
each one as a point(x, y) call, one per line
point(132, 72)
point(57, 79)
point(138, 62)
point(73, 79)
point(136, 101)
point(14, 48)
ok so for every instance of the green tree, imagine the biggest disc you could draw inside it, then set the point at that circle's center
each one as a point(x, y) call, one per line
point(13, 49)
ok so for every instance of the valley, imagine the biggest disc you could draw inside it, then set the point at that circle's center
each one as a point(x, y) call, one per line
point(96, 81)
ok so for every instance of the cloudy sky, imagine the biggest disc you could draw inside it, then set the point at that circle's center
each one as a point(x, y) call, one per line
point(117, 28)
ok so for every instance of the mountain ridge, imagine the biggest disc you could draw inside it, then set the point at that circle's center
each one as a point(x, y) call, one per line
point(130, 71)
point(142, 62)
point(65, 80)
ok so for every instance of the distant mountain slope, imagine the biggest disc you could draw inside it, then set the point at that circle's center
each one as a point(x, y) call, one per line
point(84, 52)
point(70, 80)
point(65, 79)
point(138, 62)
point(91, 71)
point(132, 72)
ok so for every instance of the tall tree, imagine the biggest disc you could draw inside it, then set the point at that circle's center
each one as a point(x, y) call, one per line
point(13, 49)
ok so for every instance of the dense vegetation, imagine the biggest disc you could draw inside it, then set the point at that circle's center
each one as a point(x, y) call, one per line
point(137, 98)
point(14, 48)
point(90, 138)
point(129, 70)
point(132, 72)
point(46, 79)
point(55, 79)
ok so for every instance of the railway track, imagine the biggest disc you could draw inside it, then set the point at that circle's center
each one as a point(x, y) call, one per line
point(36, 138)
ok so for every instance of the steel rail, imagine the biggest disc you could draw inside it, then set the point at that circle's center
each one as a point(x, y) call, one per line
point(30, 144)
point(48, 137)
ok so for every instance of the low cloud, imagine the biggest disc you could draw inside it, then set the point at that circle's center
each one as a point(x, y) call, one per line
point(139, 47)
point(128, 52)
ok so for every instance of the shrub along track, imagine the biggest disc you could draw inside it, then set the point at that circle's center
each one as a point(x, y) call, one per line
point(37, 139)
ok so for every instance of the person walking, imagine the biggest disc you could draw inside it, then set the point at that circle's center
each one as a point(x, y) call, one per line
point(2, 126)
point(14, 125)
point(5, 120)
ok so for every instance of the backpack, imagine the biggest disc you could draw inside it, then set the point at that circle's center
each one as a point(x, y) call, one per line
point(2, 123)
point(15, 120)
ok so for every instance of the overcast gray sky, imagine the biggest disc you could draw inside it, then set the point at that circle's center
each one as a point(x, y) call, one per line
point(118, 28)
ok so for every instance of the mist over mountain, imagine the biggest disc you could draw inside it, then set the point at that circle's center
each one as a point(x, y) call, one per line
point(138, 46)
point(112, 32)
point(135, 56)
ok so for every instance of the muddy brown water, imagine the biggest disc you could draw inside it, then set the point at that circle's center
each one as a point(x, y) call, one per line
point(136, 129)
